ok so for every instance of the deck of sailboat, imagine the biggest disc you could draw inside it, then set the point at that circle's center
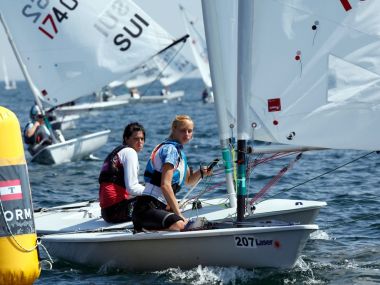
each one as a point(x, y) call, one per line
point(172, 96)
point(86, 216)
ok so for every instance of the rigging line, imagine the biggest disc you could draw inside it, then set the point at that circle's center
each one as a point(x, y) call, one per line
point(279, 155)
point(275, 179)
point(183, 40)
point(196, 197)
point(206, 188)
point(325, 173)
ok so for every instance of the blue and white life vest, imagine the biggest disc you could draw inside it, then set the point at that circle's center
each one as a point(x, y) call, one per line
point(153, 171)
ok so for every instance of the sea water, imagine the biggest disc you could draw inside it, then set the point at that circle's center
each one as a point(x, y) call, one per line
point(346, 249)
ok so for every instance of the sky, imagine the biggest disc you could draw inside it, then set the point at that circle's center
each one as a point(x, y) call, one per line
point(164, 12)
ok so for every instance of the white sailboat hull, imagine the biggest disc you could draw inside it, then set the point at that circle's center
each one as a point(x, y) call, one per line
point(175, 95)
point(71, 150)
point(65, 122)
point(275, 246)
point(86, 216)
point(10, 85)
point(89, 107)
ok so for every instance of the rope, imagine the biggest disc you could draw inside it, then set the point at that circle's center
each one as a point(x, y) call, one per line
point(275, 179)
point(159, 75)
point(270, 158)
point(50, 262)
point(10, 232)
point(206, 188)
point(325, 173)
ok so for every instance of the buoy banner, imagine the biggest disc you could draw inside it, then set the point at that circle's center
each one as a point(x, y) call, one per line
point(16, 211)
point(10, 190)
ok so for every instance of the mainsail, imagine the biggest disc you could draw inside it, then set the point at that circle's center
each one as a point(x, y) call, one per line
point(82, 45)
point(315, 72)
point(324, 59)
point(173, 66)
point(168, 67)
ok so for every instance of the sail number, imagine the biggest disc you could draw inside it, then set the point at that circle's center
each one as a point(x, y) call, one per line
point(48, 24)
point(245, 241)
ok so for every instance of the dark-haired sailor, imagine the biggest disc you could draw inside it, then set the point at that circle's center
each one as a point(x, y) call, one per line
point(118, 178)
point(166, 172)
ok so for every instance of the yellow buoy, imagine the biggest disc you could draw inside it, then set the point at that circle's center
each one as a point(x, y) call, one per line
point(18, 240)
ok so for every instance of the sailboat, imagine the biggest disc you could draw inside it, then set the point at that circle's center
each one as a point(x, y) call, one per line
point(224, 242)
point(70, 69)
point(88, 108)
point(167, 68)
point(61, 150)
point(8, 84)
point(199, 50)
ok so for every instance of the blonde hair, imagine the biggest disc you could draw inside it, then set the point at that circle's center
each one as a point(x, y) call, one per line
point(178, 121)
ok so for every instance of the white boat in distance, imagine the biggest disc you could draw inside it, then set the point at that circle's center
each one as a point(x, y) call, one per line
point(171, 96)
point(8, 84)
point(167, 67)
point(71, 150)
point(63, 122)
point(89, 107)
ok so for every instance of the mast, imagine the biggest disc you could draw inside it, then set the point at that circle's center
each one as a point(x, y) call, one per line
point(24, 70)
point(245, 72)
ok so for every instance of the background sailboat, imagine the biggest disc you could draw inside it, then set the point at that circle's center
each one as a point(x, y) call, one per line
point(8, 84)
point(71, 69)
point(167, 67)
point(199, 50)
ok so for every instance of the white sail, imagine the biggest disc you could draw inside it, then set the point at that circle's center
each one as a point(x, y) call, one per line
point(142, 75)
point(173, 66)
point(316, 71)
point(198, 47)
point(220, 19)
point(8, 84)
point(82, 45)
point(168, 66)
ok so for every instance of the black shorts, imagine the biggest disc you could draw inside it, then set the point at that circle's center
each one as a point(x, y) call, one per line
point(150, 214)
point(120, 212)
